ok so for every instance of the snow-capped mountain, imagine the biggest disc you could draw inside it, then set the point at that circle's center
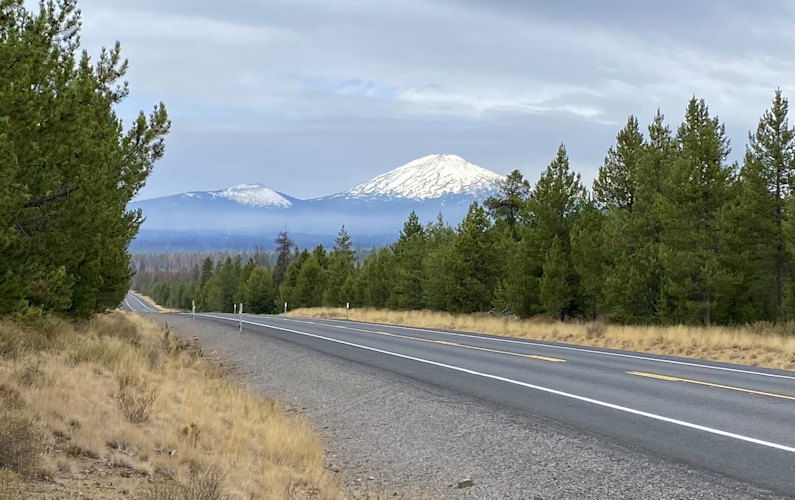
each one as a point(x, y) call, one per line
point(431, 176)
point(255, 195)
point(253, 213)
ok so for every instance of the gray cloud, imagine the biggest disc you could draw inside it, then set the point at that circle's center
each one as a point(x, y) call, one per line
point(313, 96)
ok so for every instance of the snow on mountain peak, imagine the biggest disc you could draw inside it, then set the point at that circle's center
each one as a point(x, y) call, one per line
point(255, 195)
point(428, 177)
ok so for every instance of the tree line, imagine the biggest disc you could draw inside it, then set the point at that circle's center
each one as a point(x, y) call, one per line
point(670, 232)
point(68, 167)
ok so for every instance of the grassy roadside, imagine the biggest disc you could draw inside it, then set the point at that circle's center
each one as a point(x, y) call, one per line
point(765, 345)
point(118, 406)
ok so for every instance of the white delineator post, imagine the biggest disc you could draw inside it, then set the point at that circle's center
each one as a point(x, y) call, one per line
point(235, 311)
point(348, 310)
point(193, 309)
point(285, 308)
point(240, 312)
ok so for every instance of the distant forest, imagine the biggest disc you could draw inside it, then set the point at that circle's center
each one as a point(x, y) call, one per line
point(670, 232)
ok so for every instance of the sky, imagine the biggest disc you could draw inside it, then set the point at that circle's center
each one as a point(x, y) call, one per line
point(312, 97)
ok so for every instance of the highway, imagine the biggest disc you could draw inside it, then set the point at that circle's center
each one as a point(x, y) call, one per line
point(733, 420)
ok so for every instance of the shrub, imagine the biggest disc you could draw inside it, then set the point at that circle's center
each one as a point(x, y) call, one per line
point(136, 397)
point(19, 448)
point(202, 483)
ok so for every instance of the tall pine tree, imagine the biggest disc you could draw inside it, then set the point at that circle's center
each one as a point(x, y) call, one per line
point(693, 202)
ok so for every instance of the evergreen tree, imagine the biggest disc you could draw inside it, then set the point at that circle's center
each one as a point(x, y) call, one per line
point(549, 213)
point(260, 292)
point(340, 267)
point(284, 246)
point(472, 265)
point(506, 207)
point(632, 231)
point(309, 285)
point(556, 293)
point(766, 183)
point(588, 259)
point(693, 201)
point(68, 168)
point(616, 183)
point(409, 252)
point(287, 288)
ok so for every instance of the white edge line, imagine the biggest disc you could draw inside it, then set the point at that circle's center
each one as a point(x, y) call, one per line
point(531, 386)
point(142, 302)
point(568, 348)
point(128, 304)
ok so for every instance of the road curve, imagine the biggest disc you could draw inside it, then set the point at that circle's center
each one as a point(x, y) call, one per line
point(730, 419)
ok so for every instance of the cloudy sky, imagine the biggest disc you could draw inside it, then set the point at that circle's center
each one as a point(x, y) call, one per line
point(313, 96)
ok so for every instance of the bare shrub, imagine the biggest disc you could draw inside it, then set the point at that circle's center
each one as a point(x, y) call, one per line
point(9, 486)
point(136, 397)
point(786, 329)
point(17, 338)
point(114, 325)
point(595, 330)
point(10, 398)
point(97, 351)
point(31, 374)
point(203, 483)
point(19, 448)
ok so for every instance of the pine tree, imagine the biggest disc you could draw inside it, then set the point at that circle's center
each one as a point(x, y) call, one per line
point(340, 267)
point(588, 259)
point(767, 183)
point(378, 276)
point(506, 207)
point(287, 287)
point(694, 197)
point(616, 183)
point(69, 169)
point(409, 252)
point(260, 292)
point(310, 284)
point(284, 246)
point(549, 213)
point(556, 293)
point(471, 264)
point(632, 231)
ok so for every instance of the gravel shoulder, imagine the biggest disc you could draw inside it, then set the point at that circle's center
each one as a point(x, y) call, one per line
point(390, 436)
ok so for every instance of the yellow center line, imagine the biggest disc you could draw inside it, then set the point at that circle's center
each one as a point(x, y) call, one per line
point(710, 384)
point(443, 342)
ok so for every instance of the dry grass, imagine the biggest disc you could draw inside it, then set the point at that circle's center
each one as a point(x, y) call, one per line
point(763, 344)
point(118, 406)
point(151, 303)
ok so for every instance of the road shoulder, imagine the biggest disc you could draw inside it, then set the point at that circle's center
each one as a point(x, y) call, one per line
point(389, 433)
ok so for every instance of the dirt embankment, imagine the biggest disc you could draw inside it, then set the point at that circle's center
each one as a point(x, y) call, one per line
point(118, 406)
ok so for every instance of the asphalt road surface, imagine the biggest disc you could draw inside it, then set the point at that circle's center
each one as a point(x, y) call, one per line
point(730, 419)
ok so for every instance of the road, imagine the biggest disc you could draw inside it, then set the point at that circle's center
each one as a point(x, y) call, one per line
point(730, 419)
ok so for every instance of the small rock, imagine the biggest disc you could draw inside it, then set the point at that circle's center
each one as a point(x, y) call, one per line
point(466, 483)
point(370, 478)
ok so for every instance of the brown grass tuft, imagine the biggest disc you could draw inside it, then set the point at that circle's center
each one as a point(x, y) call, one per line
point(762, 344)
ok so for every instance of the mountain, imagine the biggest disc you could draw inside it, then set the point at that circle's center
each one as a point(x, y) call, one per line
point(432, 176)
point(239, 217)
point(255, 195)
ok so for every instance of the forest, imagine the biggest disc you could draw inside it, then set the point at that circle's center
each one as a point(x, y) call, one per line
point(671, 232)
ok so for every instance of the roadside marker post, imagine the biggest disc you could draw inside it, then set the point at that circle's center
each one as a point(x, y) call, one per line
point(348, 310)
point(235, 311)
point(193, 309)
point(240, 324)
point(285, 308)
